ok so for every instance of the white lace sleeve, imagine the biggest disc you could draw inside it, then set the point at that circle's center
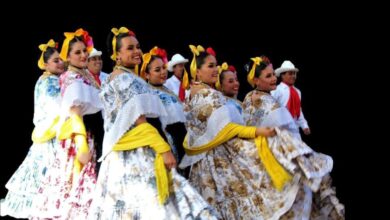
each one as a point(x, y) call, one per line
point(280, 117)
point(83, 95)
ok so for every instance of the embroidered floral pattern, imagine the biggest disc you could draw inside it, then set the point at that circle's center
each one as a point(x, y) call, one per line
point(299, 159)
point(126, 187)
point(231, 176)
point(24, 184)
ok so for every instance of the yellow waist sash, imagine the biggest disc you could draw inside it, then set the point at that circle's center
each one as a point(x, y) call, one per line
point(41, 134)
point(74, 128)
point(278, 174)
point(145, 135)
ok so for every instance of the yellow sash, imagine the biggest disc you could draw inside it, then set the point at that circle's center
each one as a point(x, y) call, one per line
point(278, 174)
point(146, 135)
point(74, 128)
point(41, 135)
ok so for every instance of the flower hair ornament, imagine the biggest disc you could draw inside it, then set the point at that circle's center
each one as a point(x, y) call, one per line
point(159, 52)
point(155, 51)
point(211, 51)
point(70, 36)
point(43, 48)
point(232, 68)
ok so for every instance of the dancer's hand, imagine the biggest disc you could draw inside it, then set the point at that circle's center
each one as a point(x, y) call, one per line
point(169, 160)
point(84, 157)
point(265, 131)
point(306, 131)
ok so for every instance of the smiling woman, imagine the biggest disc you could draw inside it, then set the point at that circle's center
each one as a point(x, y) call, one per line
point(235, 41)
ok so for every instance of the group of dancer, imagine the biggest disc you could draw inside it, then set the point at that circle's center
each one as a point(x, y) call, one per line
point(133, 144)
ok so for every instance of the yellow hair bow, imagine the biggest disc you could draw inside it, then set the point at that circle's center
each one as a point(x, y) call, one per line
point(68, 37)
point(79, 32)
point(43, 48)
point(195, 51)
point(221, 68)
point(145, 61)
point(155, 51)
point(251, 74)
point(122, 30)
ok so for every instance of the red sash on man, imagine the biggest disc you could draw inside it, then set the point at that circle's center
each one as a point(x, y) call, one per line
point(182, 92)
point(96, 77)
point(294, 103)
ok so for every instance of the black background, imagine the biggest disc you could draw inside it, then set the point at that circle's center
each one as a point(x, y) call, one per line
point(316, 40)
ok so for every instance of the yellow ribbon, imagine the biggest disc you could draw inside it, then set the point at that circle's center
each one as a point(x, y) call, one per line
point(145, 135)
point(153, 51)
point(221, 68)
point(195, 51)
point(145, 61)
point(136, 69)
point(44, 134)
point(278, 174)
point(74, 127)
point(186, 81)
point(68, 37)
point(251, 74)
point(43, 48)
point(228, 132)
point(122, 30)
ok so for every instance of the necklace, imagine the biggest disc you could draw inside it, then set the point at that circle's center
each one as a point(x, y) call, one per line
point(164, 89)
point(203, 84)
point(117, 67)
point(47, 74)
point(262, 91)
point(86, 75)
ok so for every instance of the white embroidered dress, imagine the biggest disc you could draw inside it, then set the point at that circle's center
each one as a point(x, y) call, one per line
point(297, 158)
point(24, 184)
point(64, 194)
point(126, 187)
point(231, 177)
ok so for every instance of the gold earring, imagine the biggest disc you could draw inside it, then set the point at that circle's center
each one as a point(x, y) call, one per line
point(118, 62)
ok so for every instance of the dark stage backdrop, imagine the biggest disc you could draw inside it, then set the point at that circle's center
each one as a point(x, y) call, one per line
point(308, 40)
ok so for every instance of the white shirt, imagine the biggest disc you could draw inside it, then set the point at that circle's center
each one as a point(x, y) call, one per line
point(282, 95)
point(173, 84)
